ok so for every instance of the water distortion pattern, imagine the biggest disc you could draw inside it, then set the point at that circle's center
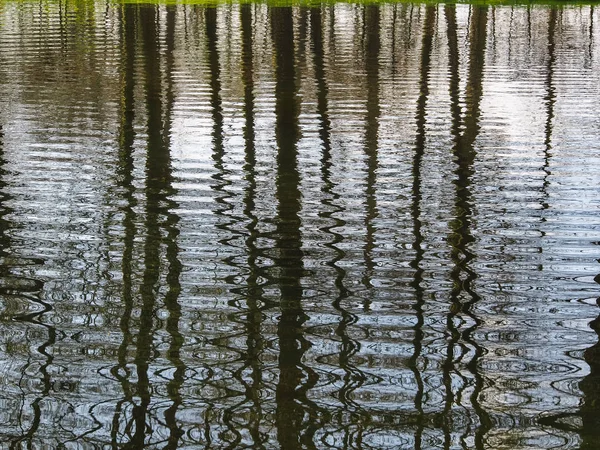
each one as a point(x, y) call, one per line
point(345, 226)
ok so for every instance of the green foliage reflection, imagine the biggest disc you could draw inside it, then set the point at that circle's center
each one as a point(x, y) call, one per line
point(81, 3)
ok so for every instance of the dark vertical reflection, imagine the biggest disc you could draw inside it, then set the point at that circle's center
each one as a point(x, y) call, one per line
point(550, 100)
point(528, 22)
point(591, 37)
point(254, 294)
point(172, 253)
point(509, 41)
point(291, 391)
point(302, 27)
point(463, 295)
point(120, 371)
point(455, 306)
point(393, 45)
point(220, 176)
point(154, 173)
point(421, 118)
point(372, 48)
point(4, 210)
point(210, 17)
point(158, 189)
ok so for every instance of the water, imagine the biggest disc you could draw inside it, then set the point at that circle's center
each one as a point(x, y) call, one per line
point(347, 226)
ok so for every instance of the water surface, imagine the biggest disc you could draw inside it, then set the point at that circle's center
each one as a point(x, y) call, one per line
point(346, 226)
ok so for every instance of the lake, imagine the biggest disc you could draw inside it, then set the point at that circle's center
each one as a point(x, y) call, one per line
point(336, 225)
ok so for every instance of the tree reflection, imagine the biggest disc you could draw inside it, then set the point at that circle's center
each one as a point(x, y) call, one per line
point(200, 353)
point(159, 99)
point(454, 334)
point(372, 48)
point(464, 297)
point(125, 170)
point(253, 292)
point(550, 99)
point(171, 299)
point(295, 378)
point(428, 32)
point(155, 171)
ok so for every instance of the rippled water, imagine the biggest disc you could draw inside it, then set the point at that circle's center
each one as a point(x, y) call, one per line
point(347, 226)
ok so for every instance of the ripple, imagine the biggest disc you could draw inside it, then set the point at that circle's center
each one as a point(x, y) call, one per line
point(342, 226)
